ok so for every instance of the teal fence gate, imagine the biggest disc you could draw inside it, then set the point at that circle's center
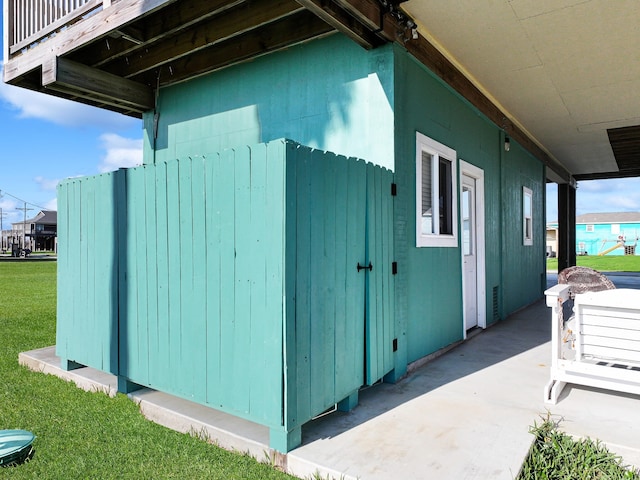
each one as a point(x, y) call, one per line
point(256, 281)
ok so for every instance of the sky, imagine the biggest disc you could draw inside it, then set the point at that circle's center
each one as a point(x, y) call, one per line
point(598, 196)
point(45, 139)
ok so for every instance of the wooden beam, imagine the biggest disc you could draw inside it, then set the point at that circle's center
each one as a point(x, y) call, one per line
point(566, 226)
point(87, 82)
point(341, 20)
point(204, 35)
point(368, 12)
point(79, 34)
point(283, 33)
point(162, 23)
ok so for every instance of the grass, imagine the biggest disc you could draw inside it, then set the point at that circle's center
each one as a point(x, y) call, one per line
point(89, 435)
point(81, 434)
point(555, 455)
point(612, 263)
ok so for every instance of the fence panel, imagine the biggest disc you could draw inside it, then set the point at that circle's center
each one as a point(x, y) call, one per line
point(232, 280)
point(380, 289)
point(88, 271)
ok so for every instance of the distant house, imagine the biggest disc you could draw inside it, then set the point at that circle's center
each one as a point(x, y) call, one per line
point(37, 233)
point(602, 234)
point(43, 230)
point(552, 240)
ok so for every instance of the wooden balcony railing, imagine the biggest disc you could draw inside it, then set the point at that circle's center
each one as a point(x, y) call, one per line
point(30, 21)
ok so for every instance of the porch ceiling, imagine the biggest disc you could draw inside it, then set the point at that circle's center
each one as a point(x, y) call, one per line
point(559, 76)
point(567, 71)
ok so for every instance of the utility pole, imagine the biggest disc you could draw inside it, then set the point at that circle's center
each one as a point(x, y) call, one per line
point(24, 223)
point(2, 215)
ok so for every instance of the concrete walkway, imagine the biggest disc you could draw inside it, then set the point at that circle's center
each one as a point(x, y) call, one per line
point(464, 415)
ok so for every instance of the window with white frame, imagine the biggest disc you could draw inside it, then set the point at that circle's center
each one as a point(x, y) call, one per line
point(436, 194)
point(590, 228)
point(527, 216)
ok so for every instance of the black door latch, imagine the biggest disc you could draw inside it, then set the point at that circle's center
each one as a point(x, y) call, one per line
point(362, 267)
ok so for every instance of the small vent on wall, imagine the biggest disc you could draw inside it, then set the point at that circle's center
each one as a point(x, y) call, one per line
point(495, 303)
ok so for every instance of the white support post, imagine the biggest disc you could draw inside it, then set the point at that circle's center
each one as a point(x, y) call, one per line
point(556, 296)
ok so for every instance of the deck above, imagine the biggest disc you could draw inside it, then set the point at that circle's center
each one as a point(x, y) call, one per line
point(114, 53)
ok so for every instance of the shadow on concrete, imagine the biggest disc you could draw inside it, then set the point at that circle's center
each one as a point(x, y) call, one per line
point(520, 332)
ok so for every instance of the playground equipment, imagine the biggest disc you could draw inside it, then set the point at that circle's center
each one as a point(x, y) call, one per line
point(620, 243)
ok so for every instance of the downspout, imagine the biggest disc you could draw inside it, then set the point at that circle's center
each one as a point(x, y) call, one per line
point(156, 117)
point(501, 148)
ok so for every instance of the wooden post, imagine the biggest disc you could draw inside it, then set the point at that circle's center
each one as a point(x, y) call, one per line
point(566, 226)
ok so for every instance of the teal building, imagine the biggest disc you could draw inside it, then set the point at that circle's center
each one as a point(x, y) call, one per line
point(305, 224)
point(608, 233)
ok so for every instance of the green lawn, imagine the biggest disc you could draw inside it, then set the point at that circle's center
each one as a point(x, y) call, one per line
point(617, 263)
point(87, 435)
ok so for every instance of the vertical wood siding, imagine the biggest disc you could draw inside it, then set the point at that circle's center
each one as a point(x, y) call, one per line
point(231, 279)
point(87, 271)
point(428, 298)
point(343, 217)
point(380, 300)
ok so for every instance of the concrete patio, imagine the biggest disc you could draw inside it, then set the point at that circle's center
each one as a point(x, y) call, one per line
point(463, 415)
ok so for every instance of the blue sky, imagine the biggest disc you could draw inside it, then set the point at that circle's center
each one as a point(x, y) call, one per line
point(46, 139)
point(595, 196)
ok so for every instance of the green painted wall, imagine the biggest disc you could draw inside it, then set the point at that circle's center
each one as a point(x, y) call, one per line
point(335, 96)
point(328, 94)
point(244, 261)
point(524, 267)
point(429, 290)
point(87, 287)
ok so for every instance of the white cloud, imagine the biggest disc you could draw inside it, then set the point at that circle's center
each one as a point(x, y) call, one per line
point(52, 204)
point(615, 195)
point(31, 104)
point(9, 213)
point(593, 186)
point(121, 152)
point(599, 196)
point(552, 202)
point(47, 184)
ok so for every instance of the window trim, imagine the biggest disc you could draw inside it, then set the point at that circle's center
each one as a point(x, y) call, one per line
point(527, 237)
point(437, 150)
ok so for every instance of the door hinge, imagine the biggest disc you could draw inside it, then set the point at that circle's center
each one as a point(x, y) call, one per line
point(395, 344)
point(394, 268)
point(394, 189)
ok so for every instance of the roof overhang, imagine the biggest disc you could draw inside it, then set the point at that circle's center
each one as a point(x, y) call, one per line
point(555, 78)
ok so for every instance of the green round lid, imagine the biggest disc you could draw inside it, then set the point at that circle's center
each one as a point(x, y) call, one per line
point(13, 441)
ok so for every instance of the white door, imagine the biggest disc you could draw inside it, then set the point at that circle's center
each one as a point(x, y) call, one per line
point(473, 247)
point(469, 251)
